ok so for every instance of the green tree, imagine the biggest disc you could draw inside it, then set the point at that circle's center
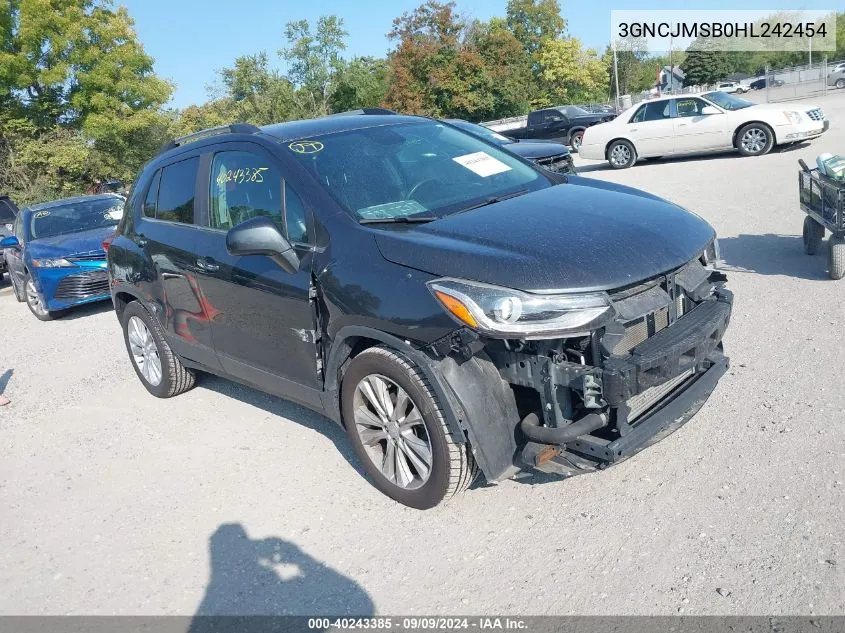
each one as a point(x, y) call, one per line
point(533, 21)
point(258, 94)
point(314, 60)
point(705, 67)
point(360, 83)
point(570, 73)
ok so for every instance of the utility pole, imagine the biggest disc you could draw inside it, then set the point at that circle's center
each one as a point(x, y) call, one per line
point(616, 74)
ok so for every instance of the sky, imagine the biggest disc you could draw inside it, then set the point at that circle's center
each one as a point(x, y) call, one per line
point(191, 39)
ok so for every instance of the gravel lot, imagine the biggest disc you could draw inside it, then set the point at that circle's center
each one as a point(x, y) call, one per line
point(114, 502)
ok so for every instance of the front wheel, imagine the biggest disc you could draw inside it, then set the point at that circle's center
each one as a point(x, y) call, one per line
point(34, 301)
point(840, 83)
point(754, 139)
point(399, 432)
point(160, 370)
point(836, 257)
point(621, 155)
point(813, 234)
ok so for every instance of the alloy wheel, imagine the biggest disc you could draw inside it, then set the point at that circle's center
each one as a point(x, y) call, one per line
point(144, 351)
point(754, 140)
point(34, 300)
point(620, 155)
point(392, 431)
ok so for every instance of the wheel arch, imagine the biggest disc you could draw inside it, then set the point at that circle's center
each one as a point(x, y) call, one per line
point(573, 130)
point(613, 140)
point(478, 405)
point(758, 122)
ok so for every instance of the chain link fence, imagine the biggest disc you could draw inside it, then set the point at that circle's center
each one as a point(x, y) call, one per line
point(799, 82)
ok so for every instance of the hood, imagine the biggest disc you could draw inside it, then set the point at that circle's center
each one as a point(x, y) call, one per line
point(780, 107)
point(70, 243)
point(532, 149)
point(580, 236)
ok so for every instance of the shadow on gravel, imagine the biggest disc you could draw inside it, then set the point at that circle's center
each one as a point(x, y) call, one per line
point(89, 309)
point(284, 410)
point(771, 254)
point(271, 576)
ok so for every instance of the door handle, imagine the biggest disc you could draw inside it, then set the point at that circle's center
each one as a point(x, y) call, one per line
point(682, 124)
point(633, 129)
point(207, 264)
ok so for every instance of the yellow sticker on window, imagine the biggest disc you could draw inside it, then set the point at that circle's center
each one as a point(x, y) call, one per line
point(305, 147)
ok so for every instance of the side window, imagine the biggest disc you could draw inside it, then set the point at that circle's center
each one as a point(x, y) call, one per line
point(151, 200)
point(244, 185)
point(176, 192)
point(639, 115)
point(553, 116)
point(656, 111)
point(689, 106)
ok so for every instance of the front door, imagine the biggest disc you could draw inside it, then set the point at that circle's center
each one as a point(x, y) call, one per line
point(262, 323)
point(652, 130)
point(14, 256)
point(694, 131)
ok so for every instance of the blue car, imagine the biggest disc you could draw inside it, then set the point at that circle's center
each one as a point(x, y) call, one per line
point(56, 258)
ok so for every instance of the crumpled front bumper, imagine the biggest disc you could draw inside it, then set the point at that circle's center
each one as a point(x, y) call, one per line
point(687, 358)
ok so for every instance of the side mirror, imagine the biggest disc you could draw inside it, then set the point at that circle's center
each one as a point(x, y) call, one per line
point(710, 110)
point(260, 236)
point(10, 242)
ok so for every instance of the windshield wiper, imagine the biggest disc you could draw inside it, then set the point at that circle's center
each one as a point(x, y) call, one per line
point(402, 219)
point(493, 200)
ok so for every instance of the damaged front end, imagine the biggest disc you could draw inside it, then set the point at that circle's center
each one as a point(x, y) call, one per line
point(634, 373)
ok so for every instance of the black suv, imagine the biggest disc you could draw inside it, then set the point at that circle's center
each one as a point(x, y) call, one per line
point(452, 305)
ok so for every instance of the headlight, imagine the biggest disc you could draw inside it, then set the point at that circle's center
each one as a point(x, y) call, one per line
point(793, 116)
point(505, 313)
point(712, 254)
point(52, 263)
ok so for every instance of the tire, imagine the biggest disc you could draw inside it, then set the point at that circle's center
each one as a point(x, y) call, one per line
point(621, 155)
point(840, 83)
point(34, 301)
point(813, 234)
point(172, 377)
point(836, 257)
point(377, 377)
point(19, 293)
point(576, 139)
point(755, 139)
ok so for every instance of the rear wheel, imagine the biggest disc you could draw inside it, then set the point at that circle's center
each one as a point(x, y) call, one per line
point(397, 427)
point(34, 301)
point(160, 370)
point(813, 235)
point(836, 257)
point(840, 83)
point(621, 155)
point(754, 139)
point(576, 139)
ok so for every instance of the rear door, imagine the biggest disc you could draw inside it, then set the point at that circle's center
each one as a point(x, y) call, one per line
point(166, 231)
point(263, 323)
point(695, 131)
point(652, 129)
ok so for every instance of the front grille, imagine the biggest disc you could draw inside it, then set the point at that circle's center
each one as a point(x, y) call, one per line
point(816, 114)
point(88, 256)
point(641, 403)
point(83, 286)
point(558, 164)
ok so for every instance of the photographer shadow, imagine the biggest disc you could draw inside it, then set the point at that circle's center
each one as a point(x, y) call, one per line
point(270, 577)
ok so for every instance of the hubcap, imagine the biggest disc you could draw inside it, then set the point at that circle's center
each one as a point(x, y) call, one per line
point(576, 141)
point(144, 352)
point(392, 431)
point(620, 155)
point(754, 140)
point(33, 299)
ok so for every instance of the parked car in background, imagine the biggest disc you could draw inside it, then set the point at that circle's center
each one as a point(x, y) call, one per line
point(598, 108)
point(704, 122)
point(837, 79)
point(552, 156)
point(760, 83)
point(8, 213)
point(732, 87)
point(453, 306)
point(562, 124)
point(837, 68)
point(55, 255)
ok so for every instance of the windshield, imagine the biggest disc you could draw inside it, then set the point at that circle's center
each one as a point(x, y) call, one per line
point(425, 169)
point(75, 217)
point(727, 101)
point(574, 111)
point(484, 132)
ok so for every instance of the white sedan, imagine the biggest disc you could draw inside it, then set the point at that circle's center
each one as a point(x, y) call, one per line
point(711, 121)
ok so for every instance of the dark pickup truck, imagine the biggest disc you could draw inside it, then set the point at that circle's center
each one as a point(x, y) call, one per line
point(563, 124)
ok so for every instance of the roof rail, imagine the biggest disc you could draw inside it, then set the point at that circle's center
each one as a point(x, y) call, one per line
point(233, 128)
point(364, 111)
